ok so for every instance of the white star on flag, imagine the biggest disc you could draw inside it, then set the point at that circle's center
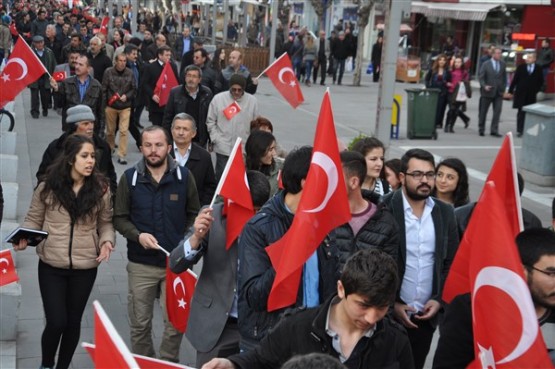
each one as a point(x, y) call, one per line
point(182, 303)
point(164, 86)
point(5, 77)
point(292, 83)
point(4, 271)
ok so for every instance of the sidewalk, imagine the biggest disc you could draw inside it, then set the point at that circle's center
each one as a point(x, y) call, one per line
point(354, 112)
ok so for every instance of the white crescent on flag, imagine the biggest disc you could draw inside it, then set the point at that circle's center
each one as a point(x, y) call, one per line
point(282, 72)
point(4, 260)
point(514, 286)
point(325, 162)
point(21, 63)
point(233, 110)
point(179, 282)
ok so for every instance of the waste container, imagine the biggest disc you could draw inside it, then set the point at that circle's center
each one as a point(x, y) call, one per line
point(421, 112)
point(536, 156)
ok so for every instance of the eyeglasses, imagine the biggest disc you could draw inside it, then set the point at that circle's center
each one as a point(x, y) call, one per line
point(233, 89)
point(418, 175)
point(549, 273)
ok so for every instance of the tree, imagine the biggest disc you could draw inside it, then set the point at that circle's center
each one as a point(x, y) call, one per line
point(363, 12)
point(320, 8)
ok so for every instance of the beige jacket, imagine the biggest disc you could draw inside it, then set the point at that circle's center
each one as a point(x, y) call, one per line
point(61, 249)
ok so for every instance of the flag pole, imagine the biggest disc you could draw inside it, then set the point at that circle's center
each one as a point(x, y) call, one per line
point(163, 250)
point(515, 181)
point(226, 170)
point(35, 55)
point(269, 66)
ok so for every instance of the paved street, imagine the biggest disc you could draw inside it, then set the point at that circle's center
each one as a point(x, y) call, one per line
point(354, 111)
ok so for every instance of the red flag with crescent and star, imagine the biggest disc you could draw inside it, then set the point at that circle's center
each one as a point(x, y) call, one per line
point(323, 207)
point(59, 76)
point(232, 110)
point(104, 25)
point(7, 268)
point(503, 174)
point(237, 196)
point(179, 292)
point(144, 362)
point(283, 77)
point(165, 83)
point(22, 68)
point(504, 322)
point(110, 351)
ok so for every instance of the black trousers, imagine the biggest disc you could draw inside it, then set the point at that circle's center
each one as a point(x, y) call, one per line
point(64, 293)
point(420, 341)
point(454, 112)
point(156, 118)
point(322, 67)
point(520, 116)
point(45, 99)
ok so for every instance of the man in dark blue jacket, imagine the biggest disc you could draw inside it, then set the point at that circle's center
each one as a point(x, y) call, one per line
point(256, 274)
point(156, 203)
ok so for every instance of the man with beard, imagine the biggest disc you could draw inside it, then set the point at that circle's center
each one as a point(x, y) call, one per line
point(156, 202)
point(537, 250)
point(428, 241)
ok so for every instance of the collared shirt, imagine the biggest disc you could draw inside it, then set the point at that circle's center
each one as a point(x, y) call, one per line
point(83, 87)
point(135, 71)
point(311, 278)
point(416, 287)
point(186, 45)
point(495, 65)
point(336, 339)
point(530, 68)
point(182, 159)
point(193, 94)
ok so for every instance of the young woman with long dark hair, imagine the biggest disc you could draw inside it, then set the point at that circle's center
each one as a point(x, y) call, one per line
point(261, 156)
point(452, 182)
point(439, 77)
point(73, 204)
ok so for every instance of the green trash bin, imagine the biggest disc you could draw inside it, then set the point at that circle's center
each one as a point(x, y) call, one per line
point(421, 112)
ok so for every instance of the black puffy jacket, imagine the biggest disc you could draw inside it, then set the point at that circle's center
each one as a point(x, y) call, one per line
point(304, 332)
point(380, 232)
point(256, 274)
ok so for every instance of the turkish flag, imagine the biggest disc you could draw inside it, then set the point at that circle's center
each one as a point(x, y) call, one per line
point(104, 25)
point(144, 362)
point(166, 82)
point(283, 77)
point(323, 207)
point(232, 110)
point(22, 68)
point(59, 76)
point(505, 326)
point(111, 352)
point(179, 292)
point(7, 268)
point(503, 174)
point(236, 193)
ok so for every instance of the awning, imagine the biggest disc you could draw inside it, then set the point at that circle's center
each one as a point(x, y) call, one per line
point(461, 11)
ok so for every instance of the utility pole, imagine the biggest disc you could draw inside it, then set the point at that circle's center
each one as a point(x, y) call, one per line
point(214, 21)
point(273, 32)
point(394, 11)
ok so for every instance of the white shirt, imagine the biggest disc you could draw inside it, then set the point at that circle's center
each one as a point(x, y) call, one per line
point(182, 159)
point(416, 287)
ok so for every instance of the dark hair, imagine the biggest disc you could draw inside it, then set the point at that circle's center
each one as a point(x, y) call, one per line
point(259, 187)
point(162, 49)
point(121, 34)
point(520, 180)
point(435, 66)
point(295, 169)
point(256, 147)
point(75, 34)
point(59, 184)
point(367, 144)
point(416, 154)
point(134, 41)
point(534, 243)
point(157, 128)
point(460, 195)
point(372, 274)
point(260, 122)
point(354, 165)
point(394, 165)
point(203, 52)
point(218, 64)
point(128, 49)
point(314, 360)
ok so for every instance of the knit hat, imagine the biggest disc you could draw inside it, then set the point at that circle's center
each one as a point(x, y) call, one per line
point(238, 79)
point(79, 113)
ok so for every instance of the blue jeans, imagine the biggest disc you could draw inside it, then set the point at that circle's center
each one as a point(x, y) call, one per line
point(308, 69)
point(297, 66)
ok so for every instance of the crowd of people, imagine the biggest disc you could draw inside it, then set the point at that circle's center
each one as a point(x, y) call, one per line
point(369, 296)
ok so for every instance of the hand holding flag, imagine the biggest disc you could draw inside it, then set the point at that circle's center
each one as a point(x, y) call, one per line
point(165, 83)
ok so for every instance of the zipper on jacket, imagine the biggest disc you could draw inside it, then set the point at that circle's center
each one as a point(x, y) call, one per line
point(71, 244)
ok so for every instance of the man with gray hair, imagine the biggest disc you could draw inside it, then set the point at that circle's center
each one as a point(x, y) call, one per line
point(191, 98)
point(99, 60)
point(191, 155)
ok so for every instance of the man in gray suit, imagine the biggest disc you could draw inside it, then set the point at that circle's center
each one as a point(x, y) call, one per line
point(212, 327)
point(493, 81)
